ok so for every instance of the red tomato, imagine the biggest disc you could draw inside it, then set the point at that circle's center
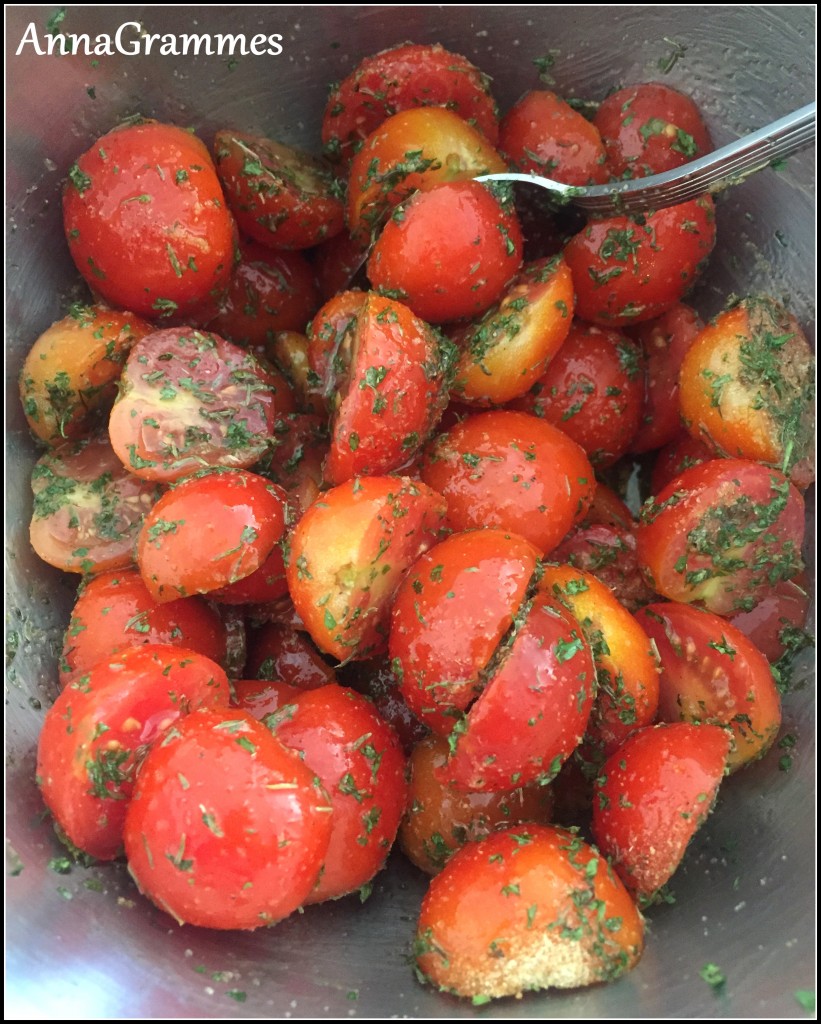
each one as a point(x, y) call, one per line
point(608, 509)
point(209, 530)
point(236, 847)
point(546, 901)
point(262, 697)
point(544, 135)
point(395, 391)
point(450, 615)
point(711, 672)
point(665, 343)
point(779, 614)
point(722, 533)
point(360, 764)
point(296, 461)
point(87, 509)
point(441, 818)
point(652, 795)
point(674, 458)
point(402, 78)
point(630, 269)
point(511, 471)
point(284, 655)
point(281, 197)
point(449, 252)
point(189, 400)
point(348, 554)
point(609, 554)
point(329, 352)
point(100, 728)
point(377, 681)
point(115, 610)
point(650, 128)
point(338, 263)
point(592, 391)
point(266, 583)
point(146, 220)
point(748, 390)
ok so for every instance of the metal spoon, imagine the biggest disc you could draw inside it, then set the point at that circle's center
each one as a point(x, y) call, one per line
point(726, 166)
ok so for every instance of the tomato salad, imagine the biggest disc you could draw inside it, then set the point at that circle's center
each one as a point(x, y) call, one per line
point(331, 459)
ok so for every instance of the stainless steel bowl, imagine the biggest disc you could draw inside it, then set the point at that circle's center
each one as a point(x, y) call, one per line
point(85, 944)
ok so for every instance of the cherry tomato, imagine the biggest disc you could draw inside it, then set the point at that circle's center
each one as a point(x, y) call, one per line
point(647, 129)
point(87, 509)
point(115, 610)
point(402, 78)
point(227, 828)
point(377, 681)
point(449, 252)
point(210, 530)
point(529, 908)
point(296, 462)
point(146, 220)
point(285, 655)
point(722, 533)
point(511, 471)
point(782, 612)
point(100, 728)
point(329, 349)
point(747, 388)
point(281, 197)
point(608, 509)
point(544, 135)
point(609, 554)
point(711, 672)
point(189, 400)
point(674, 458)
point(266, 583)
point(70, 374)
point(288, 351)
point(339, 263)
point(262, 697)
point(630, 269)
point(652, 795)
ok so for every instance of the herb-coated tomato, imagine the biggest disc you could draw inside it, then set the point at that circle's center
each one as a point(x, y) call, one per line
point(441, 819)
point(778, 617)
point(281, 197)
point(591, 391)
point(529, 908)
point(748, 389)
point(288, 351)
point(629, 269)
point(652, 795)
point(674, 458)
point(348, 554)
point(377, 680)
point(512, 471)
point(278, 653)
point(70, 374)
point(608, 509)
point(722, 533)
point(189, 400)
point(210, 530)
point(449, 252)
point(227, 827)
point(507, 350)
point(264, 584)
point(146, 220)
point(609, 554)
point(450, 615)
point(328, 344)
point(647, 129)
point(711, 672)
point(360, 764)
point(87, 509)
point(402, 78)
point(296, 461)
point(115, 610)
point(99, 729)
point(544, 135)
point(338, 262)
point(261, 697)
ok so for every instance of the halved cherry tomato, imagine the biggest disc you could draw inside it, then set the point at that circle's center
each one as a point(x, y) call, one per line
point(529, 908)
point(261, 697)
point(781, 612)
point(237, 848)
point(328, 349)
point(711, 672)
point(339, 264)
point(296, 461)
point(100, 728)
point(146, 220)
point(674, 458)
point(652, 795)
point(288, 351)
point(609, 554)
point(608, 509)
point(266, 583)
point(378, 681)
point(285, 655)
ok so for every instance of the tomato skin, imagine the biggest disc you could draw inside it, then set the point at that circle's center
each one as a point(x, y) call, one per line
point(543, 134)
point(219, 804)
point(208, 531)
point(348, 554)
point(449, 616)
point(401, 78)
point(361, 766)
point(711, 672)
point(114, 610)
point(328, 348)
point(262, 697)
point(671, 461)
point(784, 608)
point(518, 891)
point(625, 272)
point(609, 554)
point(155, 235)
point(747, 388)
point(608, 509)
point(278, 653)
point(448, 252)
point(295, 464)
point(511, 471)
point(722, 534)
point(650, 128)
point(98, 730)
point(652, 795)
point(377, 681)
point(266, 583)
